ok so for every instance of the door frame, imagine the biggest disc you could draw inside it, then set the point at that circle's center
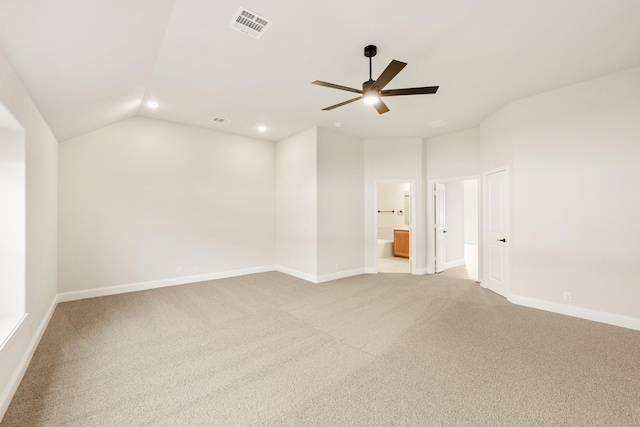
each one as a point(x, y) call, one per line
point(431, 222)
point(508, 224)
point(412, 228)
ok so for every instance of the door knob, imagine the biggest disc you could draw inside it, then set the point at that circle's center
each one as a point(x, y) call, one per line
point(444, 231)
point(502, 240)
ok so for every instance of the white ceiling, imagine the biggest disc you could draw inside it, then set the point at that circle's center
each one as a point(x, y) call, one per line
point(90, 63)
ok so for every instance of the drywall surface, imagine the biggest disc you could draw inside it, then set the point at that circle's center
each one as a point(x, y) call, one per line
point(145, 200)
point(454, 155)
point(40, 225)
point(392, 159)
point(340, 168)
point(575, 199)
point(471, 212)
point(297, 204)
point(454, 220)
point(41, 162)
point(12, 222)
point(497, 138)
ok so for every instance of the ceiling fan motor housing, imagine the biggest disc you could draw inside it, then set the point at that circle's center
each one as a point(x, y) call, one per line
point(369, 85)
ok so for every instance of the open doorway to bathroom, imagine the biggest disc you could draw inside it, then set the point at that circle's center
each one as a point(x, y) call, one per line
point(455, 239)
point(394, 228)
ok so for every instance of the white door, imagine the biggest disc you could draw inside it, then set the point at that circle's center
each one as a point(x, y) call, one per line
point(496, 229)
point(440, 224)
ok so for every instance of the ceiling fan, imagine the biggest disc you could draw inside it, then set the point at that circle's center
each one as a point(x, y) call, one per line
point(372, 90)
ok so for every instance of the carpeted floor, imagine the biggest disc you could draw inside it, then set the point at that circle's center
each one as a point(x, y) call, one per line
point(374, 350)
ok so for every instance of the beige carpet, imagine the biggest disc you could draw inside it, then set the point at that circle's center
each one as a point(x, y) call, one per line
point(272, 350)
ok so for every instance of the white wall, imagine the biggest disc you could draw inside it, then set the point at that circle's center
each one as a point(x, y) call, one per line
point(454, 220)
point(41, 162)
point(447, 157)
point(454, 155)
point(141, 198)
point(12, 222)
point(340, 171)
point(471, 212)
point(575, 157)
point(297, 205)
point(392, 159)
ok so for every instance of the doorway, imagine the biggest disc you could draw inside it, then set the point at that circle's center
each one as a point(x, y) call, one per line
point(394, 231)
point(455, 224)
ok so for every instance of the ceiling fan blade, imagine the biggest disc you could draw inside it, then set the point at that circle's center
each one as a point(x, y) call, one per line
point(342, 103)
point(389, 73)
point(381, 107)
point(331, 85)
point(410, 91)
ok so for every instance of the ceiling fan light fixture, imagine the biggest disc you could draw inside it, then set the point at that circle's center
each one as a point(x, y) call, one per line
point(371, 97)
point(373, 90)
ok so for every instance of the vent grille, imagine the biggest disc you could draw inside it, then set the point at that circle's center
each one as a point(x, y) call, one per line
point(437, 124)
point(250, 23)
point(221, 120)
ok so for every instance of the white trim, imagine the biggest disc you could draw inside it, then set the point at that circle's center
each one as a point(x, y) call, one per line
point(340, 275)
point(420, 271)
point(582, 313)
point(370, 270)
point(17, 324)
point(18, 374)
point(143, 286)
point(295, 273)
point(451, 264)
point(8, 330)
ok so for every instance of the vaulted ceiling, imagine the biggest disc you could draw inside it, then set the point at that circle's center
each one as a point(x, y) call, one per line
point(90, 63)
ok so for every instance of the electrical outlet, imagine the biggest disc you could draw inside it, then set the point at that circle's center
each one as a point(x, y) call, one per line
point(567, 297)
point(195, 269)
point(178, 271)
point(337, 267)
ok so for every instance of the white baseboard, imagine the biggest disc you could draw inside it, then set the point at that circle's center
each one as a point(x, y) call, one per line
point(370, 270)
point(420, 271)
point(451, 264)
point(18, 373)
point(295, 273)
point(583, 313)
point(340, 275)
point(143, 286)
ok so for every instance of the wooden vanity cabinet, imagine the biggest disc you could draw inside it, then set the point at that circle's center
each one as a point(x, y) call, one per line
point(401, 243)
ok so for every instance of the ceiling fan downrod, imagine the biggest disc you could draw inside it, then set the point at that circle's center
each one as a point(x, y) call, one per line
point(370, 51)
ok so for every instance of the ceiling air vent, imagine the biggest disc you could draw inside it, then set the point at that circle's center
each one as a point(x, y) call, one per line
point(250, 23)
point(221, 120)
point(437, 124)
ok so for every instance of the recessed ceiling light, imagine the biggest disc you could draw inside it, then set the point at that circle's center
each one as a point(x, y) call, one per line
point(152, 104)
point(262, 128)
point(338, 124)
